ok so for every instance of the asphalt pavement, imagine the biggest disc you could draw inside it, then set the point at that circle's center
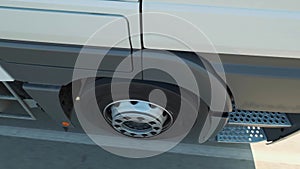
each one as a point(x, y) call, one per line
point(43, 145)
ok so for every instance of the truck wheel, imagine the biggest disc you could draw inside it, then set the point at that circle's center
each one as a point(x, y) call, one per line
point(146, 110)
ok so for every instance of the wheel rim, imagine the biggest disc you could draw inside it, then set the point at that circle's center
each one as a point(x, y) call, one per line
point(138, 118)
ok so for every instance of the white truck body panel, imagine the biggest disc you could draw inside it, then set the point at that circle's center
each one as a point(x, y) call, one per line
point(69, 21)
point(264, 28)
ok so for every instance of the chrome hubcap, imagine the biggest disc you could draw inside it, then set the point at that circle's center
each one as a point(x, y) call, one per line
point(137, 118)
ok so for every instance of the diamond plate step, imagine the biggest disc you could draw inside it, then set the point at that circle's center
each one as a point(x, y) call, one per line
point(258, 118)
point(241, 134)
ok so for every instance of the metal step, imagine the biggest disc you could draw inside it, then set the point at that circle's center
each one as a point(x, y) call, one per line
point(5, 97)
point(12, 105)
point(258, 118)
point(241, 134)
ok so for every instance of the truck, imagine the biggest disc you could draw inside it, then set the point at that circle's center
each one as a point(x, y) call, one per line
point(154, 69)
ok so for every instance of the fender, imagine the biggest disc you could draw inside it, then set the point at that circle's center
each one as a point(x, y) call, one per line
point(210, 85)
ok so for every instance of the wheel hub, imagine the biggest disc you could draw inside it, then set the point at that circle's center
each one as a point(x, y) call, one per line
point(137, 118)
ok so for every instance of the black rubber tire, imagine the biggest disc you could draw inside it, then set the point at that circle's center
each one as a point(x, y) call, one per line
point(139, 90)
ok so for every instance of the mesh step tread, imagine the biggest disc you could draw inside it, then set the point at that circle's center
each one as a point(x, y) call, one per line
point(258, 118)
point(241, 134)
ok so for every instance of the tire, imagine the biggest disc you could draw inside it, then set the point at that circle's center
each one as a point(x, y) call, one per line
point(139, 90)
point(105, 135)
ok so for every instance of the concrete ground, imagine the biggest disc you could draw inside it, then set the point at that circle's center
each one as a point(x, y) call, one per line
point(40, 144)
point(284, 154)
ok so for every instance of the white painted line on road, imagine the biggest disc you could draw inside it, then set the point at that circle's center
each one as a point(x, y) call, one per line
point(79, 138)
